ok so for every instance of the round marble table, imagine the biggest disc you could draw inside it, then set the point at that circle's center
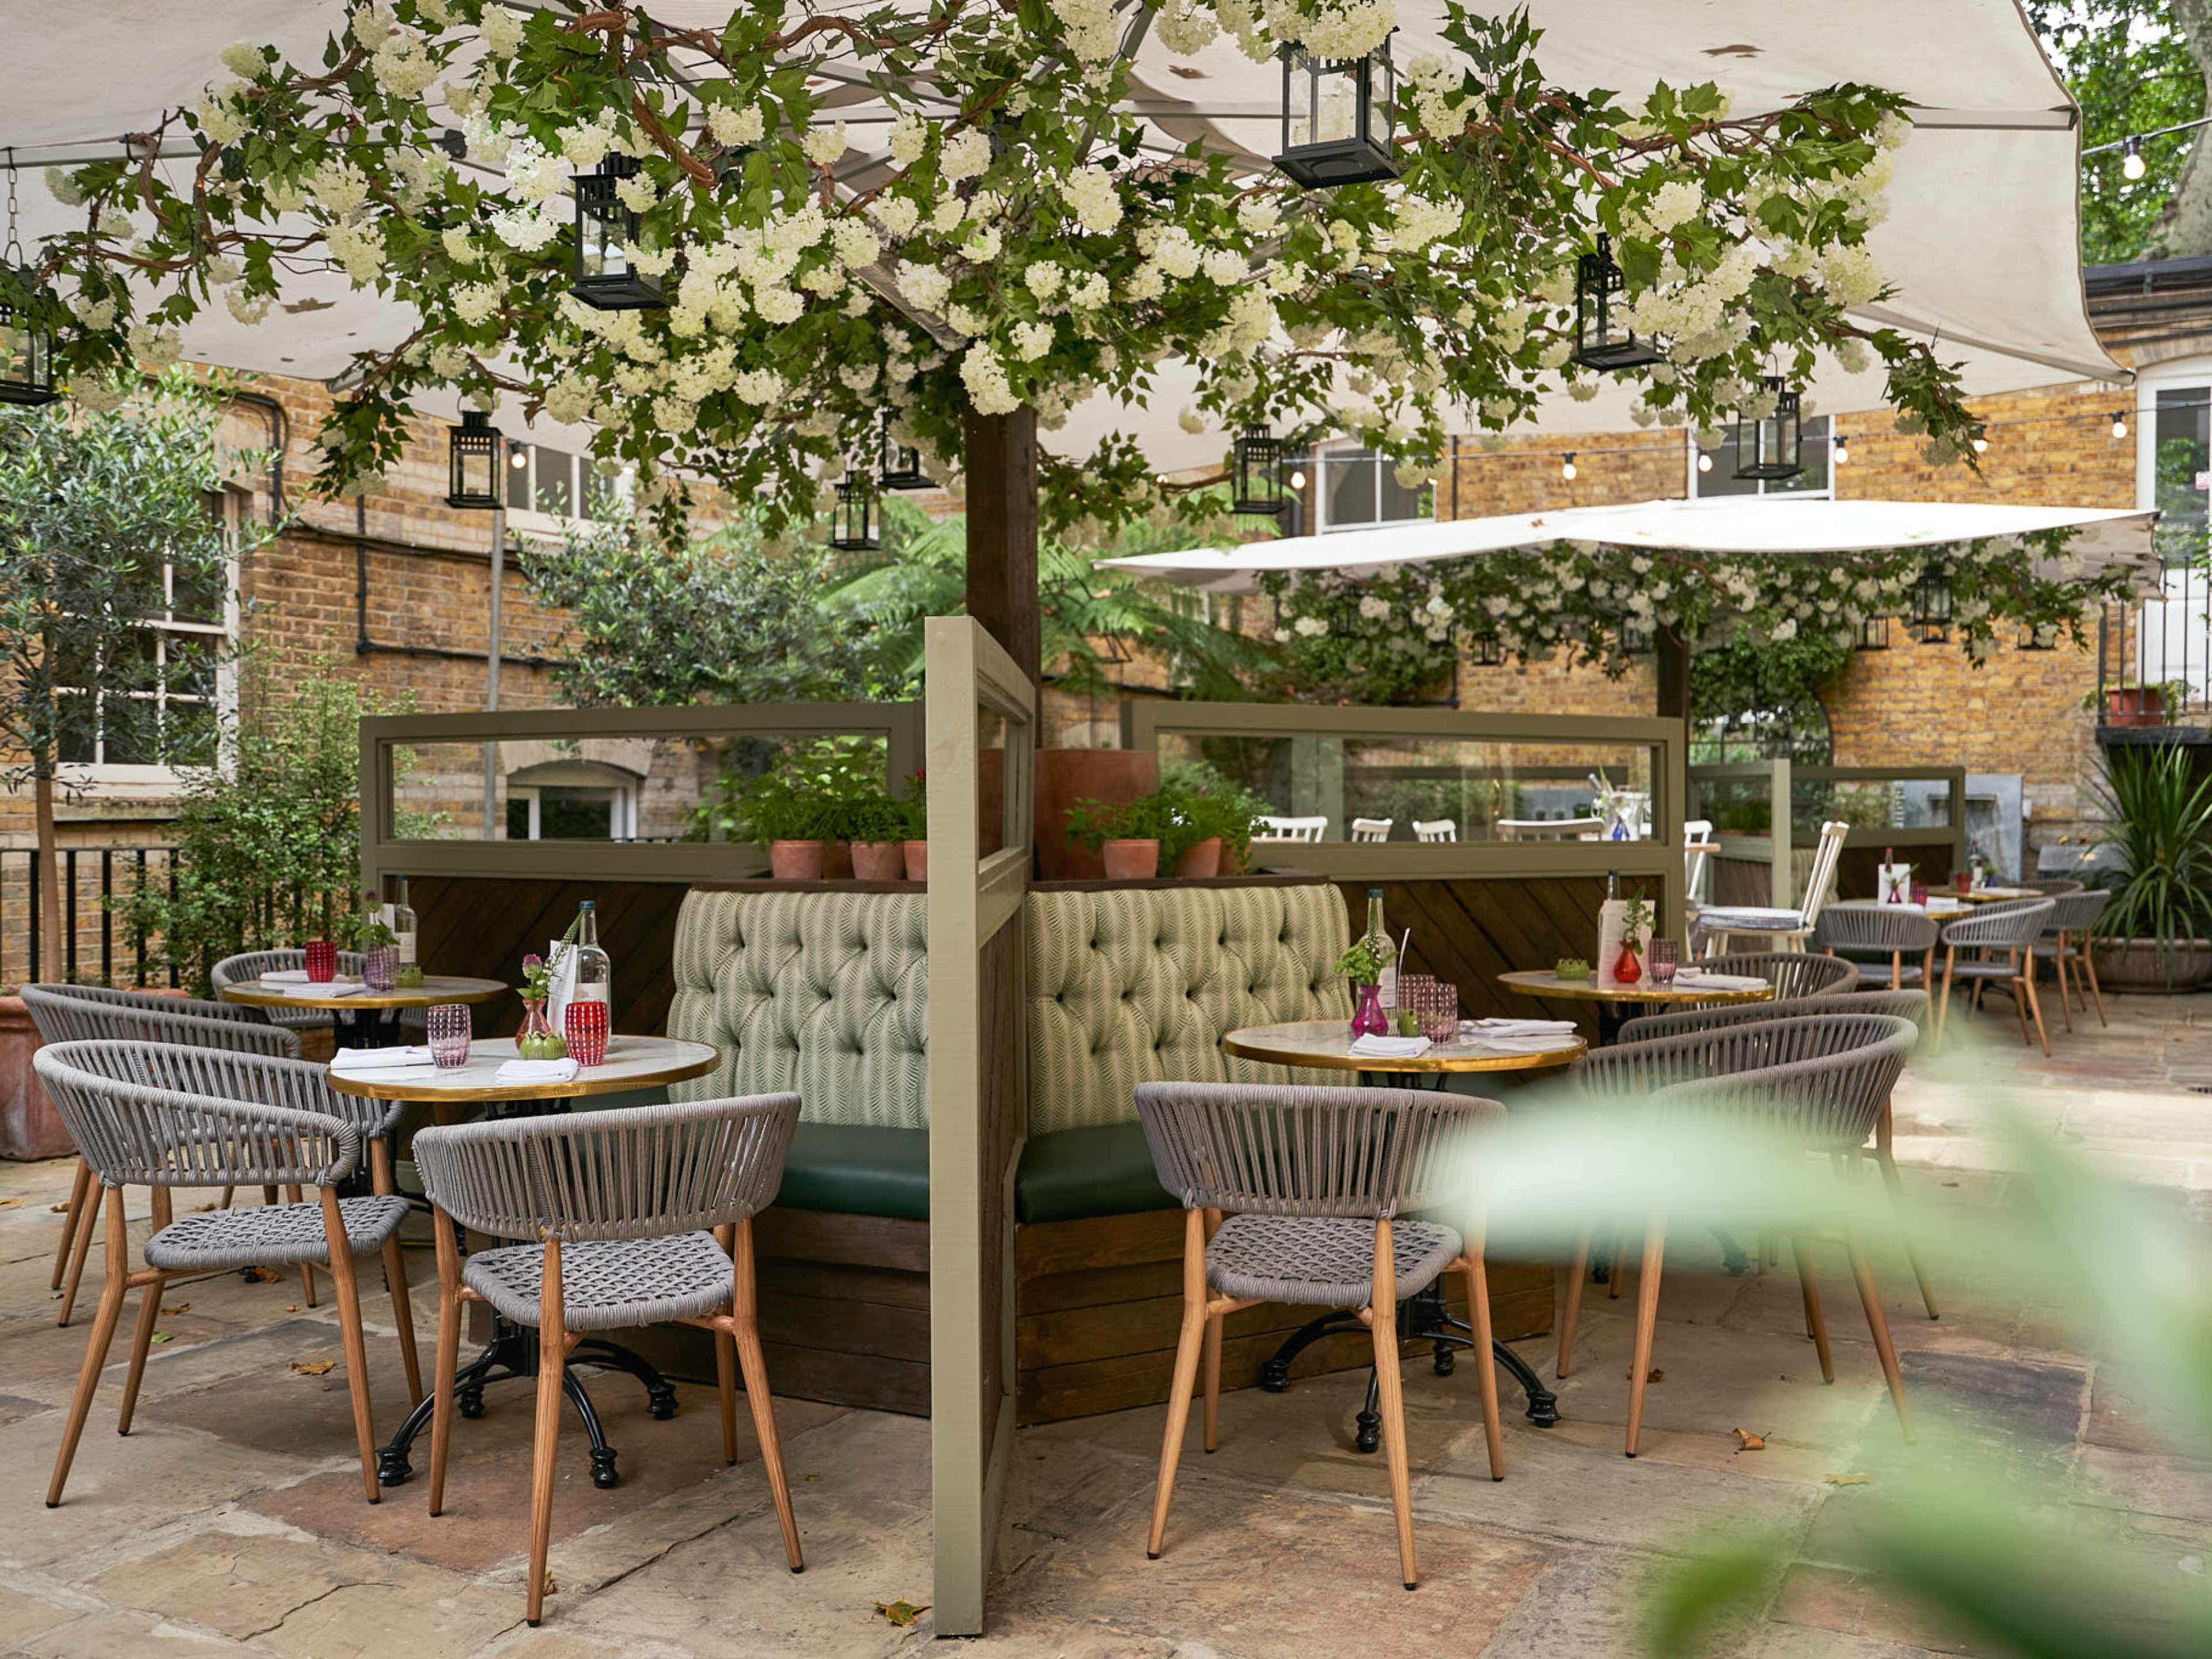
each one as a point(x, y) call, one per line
point(1327, 1044)
point(381, 1029)
point(1618, 1004)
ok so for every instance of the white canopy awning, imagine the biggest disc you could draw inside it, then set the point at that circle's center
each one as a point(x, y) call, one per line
point(1737, 525)
point(1981, 242)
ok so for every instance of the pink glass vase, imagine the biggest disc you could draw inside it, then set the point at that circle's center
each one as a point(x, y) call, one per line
point(1368, 1018)
point(1627, 971)
point(538, 1040)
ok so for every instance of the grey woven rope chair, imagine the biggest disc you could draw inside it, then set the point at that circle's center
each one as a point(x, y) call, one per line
point(1888, 944)
point(644, 1216)
point(2002, 938)
point(163, 1115)
point(1905, 1004)
point(2069, 943)
point(82, 1013)
point(1791, 973)
point(251, 964)
point(1823, 1079)
point(2055, 886)
point(1294, 1194)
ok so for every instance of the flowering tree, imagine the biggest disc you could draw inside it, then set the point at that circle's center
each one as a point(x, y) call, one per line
point(948, 211)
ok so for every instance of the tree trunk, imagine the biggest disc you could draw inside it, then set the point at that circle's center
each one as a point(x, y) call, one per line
point(53, 951)
point(2185, 227)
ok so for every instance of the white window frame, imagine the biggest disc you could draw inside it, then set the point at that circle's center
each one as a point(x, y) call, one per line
point(529, 521)
point(1827, 441)
point(2177, 627)
point(156, 779)
point(1339, 454)
point(621, 818)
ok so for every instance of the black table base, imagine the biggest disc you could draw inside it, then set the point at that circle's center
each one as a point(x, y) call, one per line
point(1422, 1318)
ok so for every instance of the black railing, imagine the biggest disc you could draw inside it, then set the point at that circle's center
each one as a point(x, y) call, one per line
point(2154, 661)
point(94, 880)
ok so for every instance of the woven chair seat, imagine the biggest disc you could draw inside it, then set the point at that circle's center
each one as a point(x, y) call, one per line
point(609, 1283)
point(1877, 973)
point(273, 1233)
point(1321, 1261)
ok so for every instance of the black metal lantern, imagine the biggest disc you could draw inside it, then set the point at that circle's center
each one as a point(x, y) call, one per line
point(852, 525)
point(1635, 636)
point(902, 466)
point(475, 447)
point(1770, 446)
point(1601, 339)
point(1260, 487)
point(604, 227)
point(1930, 622)
point(1339, 118)
point(26, 343)
point(1873, 635)
point(1486, 650)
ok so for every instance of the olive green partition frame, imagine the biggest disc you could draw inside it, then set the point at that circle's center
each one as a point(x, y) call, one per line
point(1784, 783)
point(1144, 724)
point(1755, 848)
point(385, 737)
point(977, 1101)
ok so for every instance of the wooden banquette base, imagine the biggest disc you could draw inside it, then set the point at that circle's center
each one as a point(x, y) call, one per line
point(844, 1315)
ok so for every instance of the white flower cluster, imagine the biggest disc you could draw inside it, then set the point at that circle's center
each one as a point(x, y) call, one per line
point(1093, 198)
point(1350, 29)
point(1094, 32)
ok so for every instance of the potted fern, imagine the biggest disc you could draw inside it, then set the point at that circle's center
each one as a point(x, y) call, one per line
point(2156, 934)
point(790, 819)
point(1126, 835)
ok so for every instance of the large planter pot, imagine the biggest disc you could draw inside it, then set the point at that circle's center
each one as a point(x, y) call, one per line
point(880, 860)
point(917, 860)
point(1065, 776)
point(1200, 861)
point(2132, 964)
point(1130, 861)
point(796, 860)
point(29, 1126)
point(2135, 705)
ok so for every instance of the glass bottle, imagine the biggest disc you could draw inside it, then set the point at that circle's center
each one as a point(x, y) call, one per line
point(405, 927)
point(594, 977)
point(1386, 980)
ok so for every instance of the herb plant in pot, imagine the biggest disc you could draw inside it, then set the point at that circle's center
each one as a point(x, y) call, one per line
point(1362, 965)
point(790, 818)
point(876, 824)
point(2156, 934)
point(1126, 835)
point(1213, 817)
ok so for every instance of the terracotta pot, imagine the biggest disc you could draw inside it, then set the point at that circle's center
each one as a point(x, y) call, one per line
point(917, 860)
point(2132, 964)
point(1131, 860)
point(1065, 776)
point(1201, 860)
point(796, 860)
point(880, 860)
point(2135, 705)
point(837, 861)
point(29, 1126)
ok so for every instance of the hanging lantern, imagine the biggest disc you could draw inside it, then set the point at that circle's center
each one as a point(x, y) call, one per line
point(1769, 448)
point(902, 466)
point(852, 525)
point(604, 227)
point(1260, 488)
point(1635, 636)
point(474, 446)
point(1601, 339)
point(1930, 622)
point(1486, 650)
point(1339, 115)
point(26, 343)
point(1873, 635)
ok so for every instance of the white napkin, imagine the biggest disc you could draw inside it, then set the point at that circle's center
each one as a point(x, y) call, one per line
point(1486, 1030)
point(1538, 1043)
point(1700, 979)
point(1389, 1047)
point(536, 1071)
point(285, 976)
point(337, 987)
point(1748, 918)
point(351, 1061)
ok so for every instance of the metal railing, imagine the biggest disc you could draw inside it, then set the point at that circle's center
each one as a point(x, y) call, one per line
point(2154, 659)
point(94, 879)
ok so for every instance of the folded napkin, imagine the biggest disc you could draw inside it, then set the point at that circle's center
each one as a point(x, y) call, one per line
point(536, 1071)
point(285, 976)
point(353, 1061)
point(1748, 918)
point(1537, 1043)
point(1699, 979)
point(1389, 1047)
point(1484, 1030)
point(337, 987)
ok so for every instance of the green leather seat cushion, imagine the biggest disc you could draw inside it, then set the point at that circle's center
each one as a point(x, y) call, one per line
point(1103, 1170)
point(858, 1168)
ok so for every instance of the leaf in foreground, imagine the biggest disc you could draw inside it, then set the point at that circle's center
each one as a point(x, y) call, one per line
point(902, 1612)
point(312, 1367)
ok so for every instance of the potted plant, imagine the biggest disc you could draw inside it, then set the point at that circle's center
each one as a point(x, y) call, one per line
point(1063, 776)
point(1214, 816)
point(2156, 934)
point(1362, 964)
point(2139, 705)
point(1126, 835)
point(790, 816)
point(875, 822)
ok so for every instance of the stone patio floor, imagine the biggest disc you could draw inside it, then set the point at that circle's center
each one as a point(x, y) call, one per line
point(231, 1519)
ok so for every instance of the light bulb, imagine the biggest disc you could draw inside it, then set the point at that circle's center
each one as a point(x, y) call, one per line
point(1704, 461)
point(1297, 481)
point(1981, 443)
point(517, 458)
point(2119, 426)
point(1567, 468)
point(1842, 452)
point(2132, 165)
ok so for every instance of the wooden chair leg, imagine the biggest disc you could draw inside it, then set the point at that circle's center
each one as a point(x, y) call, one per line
point(1886, 1161)
point(1188, 1345)
point(72, 1212)
point(1943, 1007)
point(1210, 1374)
point(1382, 1316)
point(78, 1252)
point(295, 1195)
point(745, 1299)
point(142, 1338)
point(2089, 962)
point(1815, 1327)
point(1870, 1298)
point(449, 1354)
point(552, 1363)
point(2058, 967)
point(725, 1387)
point(103, 1334)
point(1578, 1270)
point(2025, 985)
point(224, 1201)
point(1647, 1317)
point(350, 1335)
point(395, 1276)
point(1478, 1313)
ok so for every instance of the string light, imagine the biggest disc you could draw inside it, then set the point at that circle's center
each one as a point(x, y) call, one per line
point(1297, 480)
point(1981, 441)
point(517, 458)
point(1567, 466)
point(1843, 450)
point(1704, 460)
point(2119, 424)
point(2132, 165)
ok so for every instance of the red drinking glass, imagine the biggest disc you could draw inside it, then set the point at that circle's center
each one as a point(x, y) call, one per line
point(1964, 881)
point(322, 961)
point(584, 1025)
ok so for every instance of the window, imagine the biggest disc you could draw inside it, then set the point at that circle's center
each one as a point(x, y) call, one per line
point(571, 801)
point(552, 481)
point(1815, 480)
point(1359, 490)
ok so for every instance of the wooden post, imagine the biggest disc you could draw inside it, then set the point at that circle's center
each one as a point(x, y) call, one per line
point(1002, 534)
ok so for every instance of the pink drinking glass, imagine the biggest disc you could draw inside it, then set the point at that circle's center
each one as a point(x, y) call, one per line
point(1439, 1011)
point(322, 961)
point(584, 1025)
point(450, 1027)
point(1661, 957)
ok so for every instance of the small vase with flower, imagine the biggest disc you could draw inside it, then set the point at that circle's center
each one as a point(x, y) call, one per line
point(538, 1040)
